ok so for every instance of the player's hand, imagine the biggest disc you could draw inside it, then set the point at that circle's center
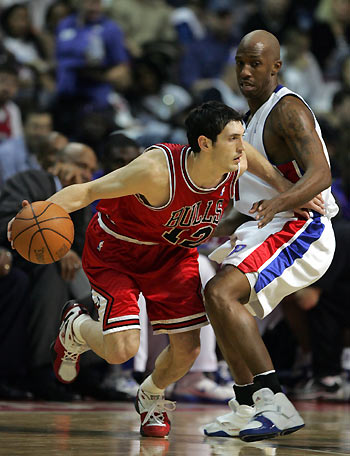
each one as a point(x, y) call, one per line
point(5, 261)
point(9, 225)
point(266, 210)
point(316, 204)
point(70, 264)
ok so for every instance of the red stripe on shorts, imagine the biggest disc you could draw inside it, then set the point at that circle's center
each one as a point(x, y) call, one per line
point(269, 247)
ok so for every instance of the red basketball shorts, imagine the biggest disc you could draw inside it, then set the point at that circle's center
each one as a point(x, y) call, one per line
point(167, 276)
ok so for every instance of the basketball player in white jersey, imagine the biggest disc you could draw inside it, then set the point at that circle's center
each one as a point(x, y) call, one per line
point(277, 252)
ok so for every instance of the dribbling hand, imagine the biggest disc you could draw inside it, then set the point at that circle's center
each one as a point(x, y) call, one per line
point(9, 225)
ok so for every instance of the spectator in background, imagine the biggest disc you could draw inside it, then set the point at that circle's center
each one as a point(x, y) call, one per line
point(54, 13)
point(301, 72)
point(94, 128)
point(10, 116)
point(20, 154)
point(340, 118)
point(119, 150)
point(92, 63)
point(189, 21)
point(26, 44)
point(204, 60)
point(275, 16)
point(330, 35)
point(143, 22)
point(158, 105)
point(75, 163)
point(50, 148)
point(345, 73)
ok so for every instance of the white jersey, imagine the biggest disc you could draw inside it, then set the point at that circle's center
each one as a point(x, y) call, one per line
point(289, 253)
point(251, 188)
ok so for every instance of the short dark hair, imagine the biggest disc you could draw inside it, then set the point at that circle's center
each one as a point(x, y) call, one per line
point(209, 119)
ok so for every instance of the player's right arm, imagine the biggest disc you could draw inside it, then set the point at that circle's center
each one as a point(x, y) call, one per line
point(147, 175)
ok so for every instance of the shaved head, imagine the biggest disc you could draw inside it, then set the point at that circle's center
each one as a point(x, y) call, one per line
point(81, 156)
point(257, 66)
point(76, 150)
point(261, 40)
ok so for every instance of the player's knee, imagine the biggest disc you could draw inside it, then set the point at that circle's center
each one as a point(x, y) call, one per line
point(227, 289)
point(121, 349)
point(215, 294)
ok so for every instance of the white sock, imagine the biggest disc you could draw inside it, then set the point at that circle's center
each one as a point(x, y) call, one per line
point(77, 325)
point(149, 387)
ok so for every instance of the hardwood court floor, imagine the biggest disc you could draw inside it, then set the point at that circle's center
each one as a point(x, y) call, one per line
point(103, 429)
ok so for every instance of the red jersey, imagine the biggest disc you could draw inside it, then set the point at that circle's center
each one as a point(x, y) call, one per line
point(187, 219)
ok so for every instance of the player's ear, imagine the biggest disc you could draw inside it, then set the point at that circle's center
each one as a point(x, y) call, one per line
point(276, 67)
point(203, 142)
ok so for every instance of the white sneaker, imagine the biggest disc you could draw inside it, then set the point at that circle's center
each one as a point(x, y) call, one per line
point(229, 425)
point(275, 415)
point(152, 409)
point(66, 350)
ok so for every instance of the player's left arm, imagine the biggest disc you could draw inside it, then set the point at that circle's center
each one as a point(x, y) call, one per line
point(295, 125)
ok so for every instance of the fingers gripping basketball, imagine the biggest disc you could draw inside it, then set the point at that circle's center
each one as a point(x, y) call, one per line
point(42, 232)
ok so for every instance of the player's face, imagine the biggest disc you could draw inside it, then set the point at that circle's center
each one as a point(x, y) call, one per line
point(254, 69)
point(229, 147)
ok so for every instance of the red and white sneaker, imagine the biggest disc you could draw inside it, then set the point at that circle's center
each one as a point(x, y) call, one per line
point(66, 350)
point(154, 418)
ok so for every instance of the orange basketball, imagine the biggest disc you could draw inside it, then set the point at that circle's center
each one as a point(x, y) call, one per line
point(42, 232)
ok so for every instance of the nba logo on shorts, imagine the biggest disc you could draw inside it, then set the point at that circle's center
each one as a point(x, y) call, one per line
point(238, 248)
point(100, 245)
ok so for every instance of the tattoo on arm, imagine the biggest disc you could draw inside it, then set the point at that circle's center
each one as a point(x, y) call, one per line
point(295, 127)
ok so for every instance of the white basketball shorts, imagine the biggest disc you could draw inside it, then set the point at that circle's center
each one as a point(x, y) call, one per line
point(280, 258)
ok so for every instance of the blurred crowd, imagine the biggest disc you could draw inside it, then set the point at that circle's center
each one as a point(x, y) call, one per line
point(85, 86)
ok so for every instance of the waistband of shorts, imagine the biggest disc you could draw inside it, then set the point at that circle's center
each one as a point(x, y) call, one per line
point(108, 226)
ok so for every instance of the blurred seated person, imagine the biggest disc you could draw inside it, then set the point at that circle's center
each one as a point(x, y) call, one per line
point(158, 105)
point(94, 128)
point(92, 63)
point(203, 60)
point(19, 154)
point(54, 13)
point(330, 36)
point(143, 22)
point(50, 148)
point(275, 16)
point(189, 21)
point(47, 287)
point(26, 44)
point(10, 116)
point(14, 287)
point(301, 71)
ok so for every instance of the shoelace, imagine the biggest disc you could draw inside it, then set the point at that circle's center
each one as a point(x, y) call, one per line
point(70, 356)
point(158, 407)
point(73, 356)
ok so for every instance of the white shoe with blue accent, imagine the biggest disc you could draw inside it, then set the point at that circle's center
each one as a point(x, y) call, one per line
point(275, 415)
point(230, 424)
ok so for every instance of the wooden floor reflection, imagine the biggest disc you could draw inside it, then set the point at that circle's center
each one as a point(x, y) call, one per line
point(96, 428)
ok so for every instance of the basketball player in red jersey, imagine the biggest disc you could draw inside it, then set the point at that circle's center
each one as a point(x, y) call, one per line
point(152, 215)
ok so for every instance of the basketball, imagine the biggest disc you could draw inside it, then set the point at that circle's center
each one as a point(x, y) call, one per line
point(42, 232)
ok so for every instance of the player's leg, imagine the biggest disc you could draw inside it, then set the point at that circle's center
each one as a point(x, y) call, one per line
point(175, 306)
point(177, 358)
point(115, 336)
point(234, 326)
point(172, 364)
